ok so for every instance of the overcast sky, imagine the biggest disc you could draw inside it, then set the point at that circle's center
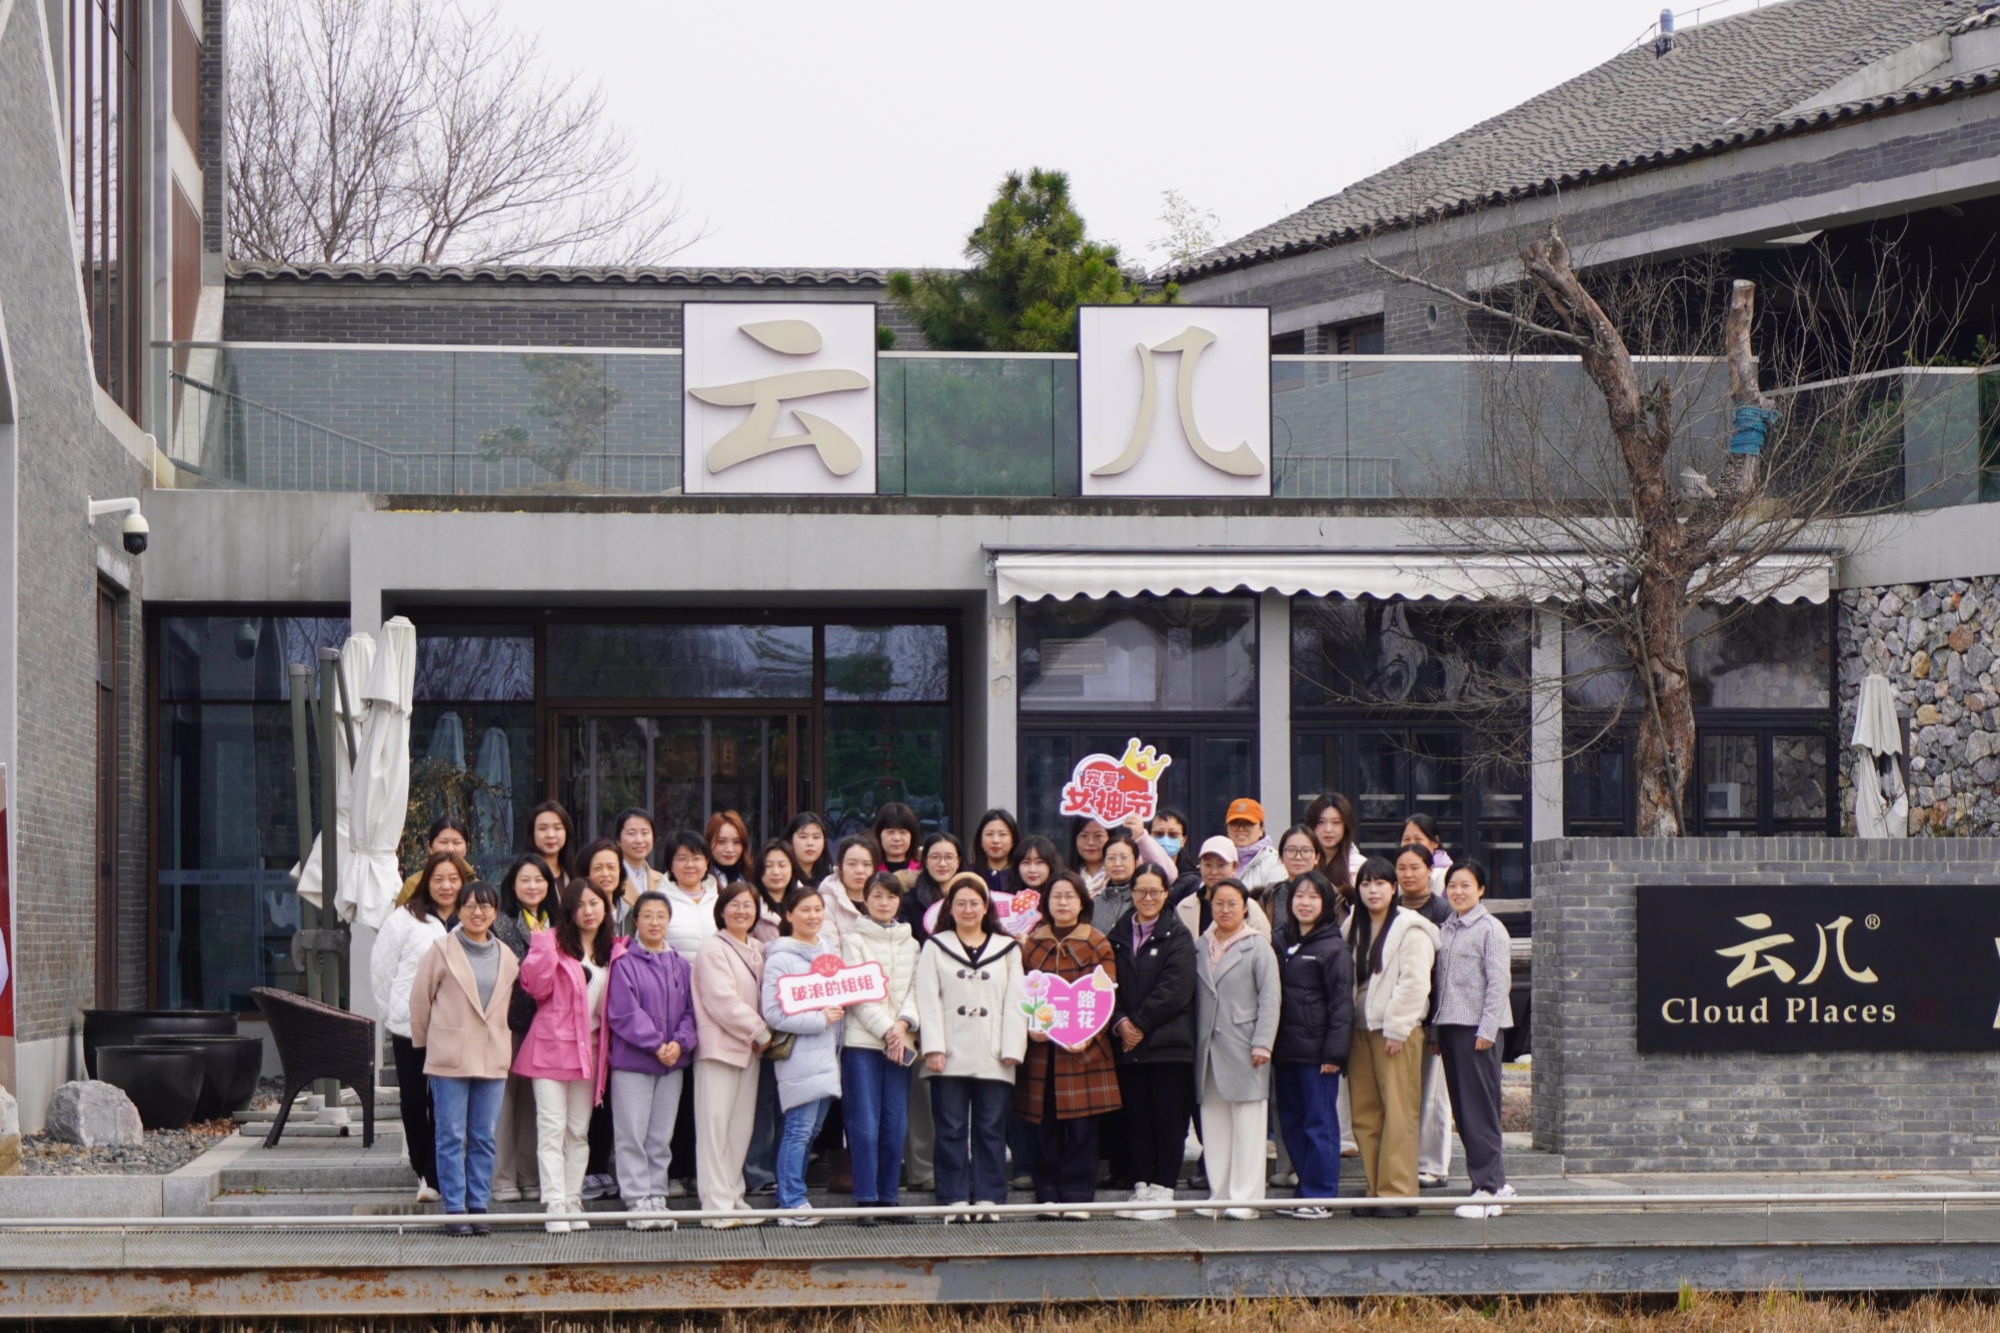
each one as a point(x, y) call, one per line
point(873, 132)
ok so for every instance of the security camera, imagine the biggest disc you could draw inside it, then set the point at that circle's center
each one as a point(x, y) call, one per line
point(134, 529)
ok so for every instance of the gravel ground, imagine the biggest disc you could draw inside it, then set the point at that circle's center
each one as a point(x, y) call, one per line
point(164, 1150)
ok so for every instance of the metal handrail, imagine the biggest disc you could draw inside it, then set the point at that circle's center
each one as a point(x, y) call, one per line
point(966, 1212)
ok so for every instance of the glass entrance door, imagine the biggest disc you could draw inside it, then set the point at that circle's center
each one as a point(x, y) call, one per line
point(683, 768)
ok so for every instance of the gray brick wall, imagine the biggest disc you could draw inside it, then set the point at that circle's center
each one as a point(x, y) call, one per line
point(1606, 1107)
point(64, 456)
point(214, 112)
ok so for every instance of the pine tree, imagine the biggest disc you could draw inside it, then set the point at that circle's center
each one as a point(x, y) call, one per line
point(1031, 267)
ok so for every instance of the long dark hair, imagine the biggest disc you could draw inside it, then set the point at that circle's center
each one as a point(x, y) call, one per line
point(421, 904)
point(820, 869)
point(1362, 941)
point(569, 939)
point(776, 847)
point(1006, 819)
point(1333, 863)
point(566, 858)
point(1045, 852)
point(510, 902)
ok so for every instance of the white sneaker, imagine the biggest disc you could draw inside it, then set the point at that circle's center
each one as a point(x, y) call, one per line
point(804, 1221)
point(556, 1225)
point(1141, 1192)
point(425, 1194)
point(724, 1223)
point(640, 1223)
point(1504, 1192)
point(1476, 1210)
point(1154, 1194)
point(1076, 1217)
point(506, 1196)
point(1240, 1214)
point(677, 1189)
point(575, 1208)
point(1309, 1213)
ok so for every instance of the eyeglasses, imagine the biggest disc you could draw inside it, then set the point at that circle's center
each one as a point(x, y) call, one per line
point(1300, 853)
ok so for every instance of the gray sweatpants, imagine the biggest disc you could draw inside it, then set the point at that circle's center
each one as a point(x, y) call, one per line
point(643, 1110)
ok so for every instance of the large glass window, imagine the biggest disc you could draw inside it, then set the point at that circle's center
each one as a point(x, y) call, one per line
point(888, 663)
point(472, 739)
point(1768, 655)
point(1175, 654)
point(879, 754)
point(1364, 651)
point(225, 803)
point(680, 661)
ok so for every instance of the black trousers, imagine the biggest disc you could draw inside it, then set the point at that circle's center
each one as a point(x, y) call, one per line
point(414, 1090)
point(1065, 1150)
point(683, 1141)
point(1472, 1080)
point(1159, 1103)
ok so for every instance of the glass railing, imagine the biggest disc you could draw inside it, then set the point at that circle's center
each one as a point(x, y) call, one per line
point(443, 420)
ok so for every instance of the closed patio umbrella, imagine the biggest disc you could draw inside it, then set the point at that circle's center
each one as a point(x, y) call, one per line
point(369, 878)
point(1881, 805)
point(357, 660)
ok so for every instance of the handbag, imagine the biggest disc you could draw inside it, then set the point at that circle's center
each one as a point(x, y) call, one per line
point(781, 1046)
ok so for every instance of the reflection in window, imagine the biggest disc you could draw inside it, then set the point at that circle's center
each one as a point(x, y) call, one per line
point(484, 662)
point(476, 763)
point(888, 663)
point(1765, 655)
point(240, 657)
point(1181, 654)
point(1726, 782)
point(680, 661)
point(1798, 779)
point(1364, 650)
point(877, 755)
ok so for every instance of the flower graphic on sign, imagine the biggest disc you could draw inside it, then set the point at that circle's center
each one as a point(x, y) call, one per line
point(1072, 1014)
point(1109, 790)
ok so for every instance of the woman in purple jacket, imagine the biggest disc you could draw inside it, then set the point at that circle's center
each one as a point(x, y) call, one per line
point(649, 1025)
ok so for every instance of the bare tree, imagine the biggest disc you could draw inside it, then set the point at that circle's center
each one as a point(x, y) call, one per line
point(1191, 229)
point(392, 131)
point(1655, 496)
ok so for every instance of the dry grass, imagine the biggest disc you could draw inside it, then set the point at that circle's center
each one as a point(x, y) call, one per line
point(1692, 1313)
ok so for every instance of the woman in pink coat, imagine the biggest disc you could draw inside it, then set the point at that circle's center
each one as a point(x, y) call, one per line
point(566, 971)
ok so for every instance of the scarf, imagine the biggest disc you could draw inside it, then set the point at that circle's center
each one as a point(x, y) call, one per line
point(1245, 855)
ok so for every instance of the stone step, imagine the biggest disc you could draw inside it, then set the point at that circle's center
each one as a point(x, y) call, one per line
point(374, 1173)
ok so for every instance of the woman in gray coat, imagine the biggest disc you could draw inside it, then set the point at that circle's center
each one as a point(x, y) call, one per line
point(1236, 997)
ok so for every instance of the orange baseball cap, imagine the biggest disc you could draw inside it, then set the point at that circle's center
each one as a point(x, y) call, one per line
point(1243, 808)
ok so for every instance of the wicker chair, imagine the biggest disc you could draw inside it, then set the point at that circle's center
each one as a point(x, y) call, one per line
point(317, 1041)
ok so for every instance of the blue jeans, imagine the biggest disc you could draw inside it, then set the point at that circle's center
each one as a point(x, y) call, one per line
point(1309, 1118)
point(875, 1092)
point(467, 1111)
point(971, 1117)
point(802, 1124)
point(760, 1164)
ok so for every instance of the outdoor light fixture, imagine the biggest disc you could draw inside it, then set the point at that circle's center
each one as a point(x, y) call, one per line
point(134, 528)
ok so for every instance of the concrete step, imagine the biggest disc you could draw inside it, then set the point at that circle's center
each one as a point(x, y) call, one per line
point(385, 1172)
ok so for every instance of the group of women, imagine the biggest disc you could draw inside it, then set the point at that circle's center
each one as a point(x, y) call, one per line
point(594, 1025)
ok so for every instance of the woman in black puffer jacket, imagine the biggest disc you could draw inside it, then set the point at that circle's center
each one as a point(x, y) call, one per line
point(1315, 1024)
point(1152, 1036)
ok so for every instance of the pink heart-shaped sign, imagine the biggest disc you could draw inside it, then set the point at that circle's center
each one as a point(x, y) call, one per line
point(1072, 1014)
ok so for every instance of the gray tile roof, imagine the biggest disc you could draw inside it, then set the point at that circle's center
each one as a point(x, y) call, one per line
point(553, 275)
point(1724, 84)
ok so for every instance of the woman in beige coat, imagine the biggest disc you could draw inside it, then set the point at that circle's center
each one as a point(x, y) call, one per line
point(730, 1037)
point(458, 1017)
point(1393, 949)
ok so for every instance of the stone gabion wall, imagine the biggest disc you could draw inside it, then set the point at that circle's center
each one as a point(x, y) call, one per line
point(1606, 1107)
point(1939, 645)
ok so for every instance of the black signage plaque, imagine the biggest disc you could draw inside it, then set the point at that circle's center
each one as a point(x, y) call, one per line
point(1819, 968)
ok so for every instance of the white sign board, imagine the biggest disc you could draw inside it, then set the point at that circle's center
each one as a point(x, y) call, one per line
point(778, 398)
point(1176, 400)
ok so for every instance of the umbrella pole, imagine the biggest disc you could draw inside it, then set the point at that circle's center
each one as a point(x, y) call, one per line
point(326, 943)
point(299, 676)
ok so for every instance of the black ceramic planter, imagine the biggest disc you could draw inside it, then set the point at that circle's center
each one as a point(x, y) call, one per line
point(119, 1027)
point(164, 1082)
point(229, 1079)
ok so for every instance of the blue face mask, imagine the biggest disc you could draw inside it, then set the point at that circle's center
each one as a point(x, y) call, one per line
point(1171, 846)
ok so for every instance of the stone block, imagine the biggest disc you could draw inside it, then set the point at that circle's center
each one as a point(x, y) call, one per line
point(94, 1114)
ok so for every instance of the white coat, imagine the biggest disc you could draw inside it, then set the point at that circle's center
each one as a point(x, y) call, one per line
point(1394, 1000)
point(392, 969)
point(972, 1014)
point(896, 949)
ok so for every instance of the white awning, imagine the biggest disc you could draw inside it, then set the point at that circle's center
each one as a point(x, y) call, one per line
point(1032, 575)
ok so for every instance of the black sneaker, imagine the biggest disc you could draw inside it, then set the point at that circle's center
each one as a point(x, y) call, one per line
point(1365, 1212)
point(869, 1220)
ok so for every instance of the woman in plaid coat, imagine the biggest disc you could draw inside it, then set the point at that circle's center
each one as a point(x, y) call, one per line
point(1061, 1093)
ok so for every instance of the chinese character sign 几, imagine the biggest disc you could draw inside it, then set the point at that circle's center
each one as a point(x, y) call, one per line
point(1818, 968)
point(1069, 1013)
point(1111, 790)
point(1175, 400)
point(780, 399)
point(830, 985)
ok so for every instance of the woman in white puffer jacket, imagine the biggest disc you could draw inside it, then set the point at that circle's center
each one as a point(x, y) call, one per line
point(879, 1044)
point(407, 934)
